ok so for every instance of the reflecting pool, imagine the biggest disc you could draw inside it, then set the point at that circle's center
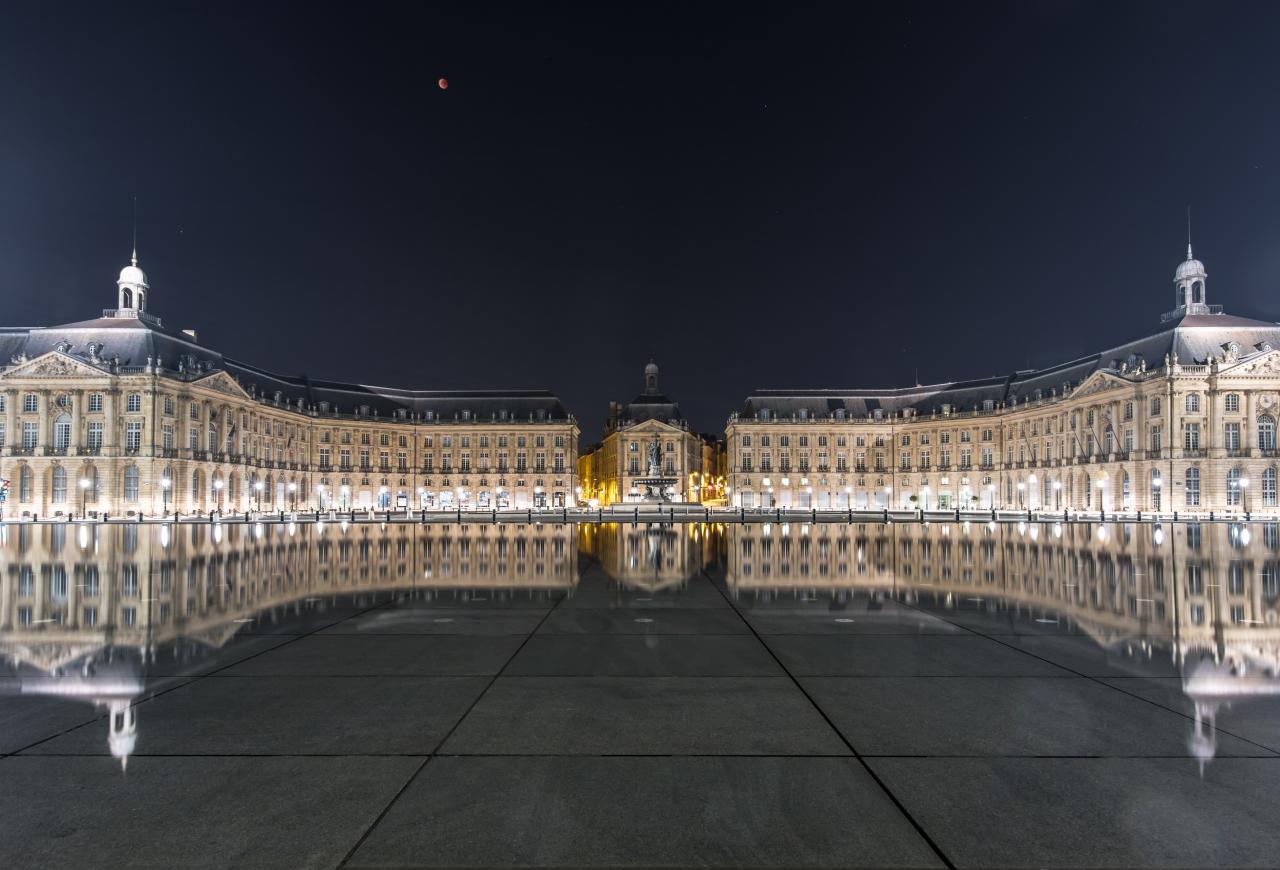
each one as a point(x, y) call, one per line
point(393, 694)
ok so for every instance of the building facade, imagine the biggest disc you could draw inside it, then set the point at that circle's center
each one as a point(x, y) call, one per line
point(1183, 419)
point(121, 415)
point(609, 471)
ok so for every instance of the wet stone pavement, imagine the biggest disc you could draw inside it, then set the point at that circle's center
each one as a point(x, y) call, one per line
point(641, 696)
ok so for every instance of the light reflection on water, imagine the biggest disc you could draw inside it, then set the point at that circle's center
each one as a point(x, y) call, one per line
point(103, 615)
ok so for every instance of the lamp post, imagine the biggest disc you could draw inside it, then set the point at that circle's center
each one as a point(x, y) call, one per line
point(165, 485)
point(345, 492)
point(217, 489)
point(1057, 495)
point(1244, 494)
point(1022, 488)
point(293, 496)
point(257, 495)
point(991, 495)
point(1102, 486)
point(1031, 482)
point(1156, 483)
point(320, 495)
point(85, 483)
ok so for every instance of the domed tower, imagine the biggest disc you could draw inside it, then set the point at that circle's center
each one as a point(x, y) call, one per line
point(133, 288)
point(1189, 285)
point(651, 379)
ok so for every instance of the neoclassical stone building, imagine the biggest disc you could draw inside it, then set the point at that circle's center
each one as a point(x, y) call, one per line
point(610, 469)
point(121, 415)
point(1183, 419)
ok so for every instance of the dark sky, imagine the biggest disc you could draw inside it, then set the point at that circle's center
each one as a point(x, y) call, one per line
point(811, 196)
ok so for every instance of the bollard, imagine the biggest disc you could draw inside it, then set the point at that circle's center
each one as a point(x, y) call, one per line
point(814, 519)
point(957, 515)
point(886, 516)
point(850, 516)
point(494, 518)
point(599, 515)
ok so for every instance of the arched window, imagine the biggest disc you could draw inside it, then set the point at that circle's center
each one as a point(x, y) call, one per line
point(1269, 487)
point(62, 432)
point(1233, 486)
point(131, 483)
point(195, 487)
point(1125, 501)
point(1088, 493)
point(59, 485)
point(91, 474)
point(1193, 487)
point(1267, 432)
point(1156, 485)
point(1182, 296)
point(1197, 292)
point(24, 483)
point(126, 295)
point(1193, 403)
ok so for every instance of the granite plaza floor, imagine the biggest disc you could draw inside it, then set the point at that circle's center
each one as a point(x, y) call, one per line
point(605, 725)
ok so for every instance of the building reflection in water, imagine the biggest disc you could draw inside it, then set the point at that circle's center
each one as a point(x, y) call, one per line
point(87, 612)
point(653, 557)
point(1195, 601)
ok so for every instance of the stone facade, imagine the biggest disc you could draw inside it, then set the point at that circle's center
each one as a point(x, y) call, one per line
point(1184, 420)
point(120, 415)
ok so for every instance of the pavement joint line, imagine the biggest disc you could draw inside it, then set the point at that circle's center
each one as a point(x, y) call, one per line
point(440, 743)
point(875, 777)
point(188, 680)
point(1098, 680)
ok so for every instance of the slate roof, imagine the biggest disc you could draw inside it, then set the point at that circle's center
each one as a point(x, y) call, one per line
point(128, 343)
point(1193, 337)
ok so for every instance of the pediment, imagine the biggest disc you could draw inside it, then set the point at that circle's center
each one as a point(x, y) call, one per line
point(222, 382)
point(1265, 364)
point(653, 426)
point(1098, 382)
point(53, 364)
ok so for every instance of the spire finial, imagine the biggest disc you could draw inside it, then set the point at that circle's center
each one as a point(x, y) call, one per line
point(1189, 257)
point(135, 231)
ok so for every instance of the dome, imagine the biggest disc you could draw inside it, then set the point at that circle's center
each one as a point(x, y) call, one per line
point(133, 275)
point(1190, 268)
point(651, 368)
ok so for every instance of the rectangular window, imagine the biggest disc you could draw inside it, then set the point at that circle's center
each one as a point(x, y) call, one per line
point(95, 401)
point(1231, 436)
point(133, 436)
point(29, 436)
point(133, 405)
point(1191, 436)
point(30, 403)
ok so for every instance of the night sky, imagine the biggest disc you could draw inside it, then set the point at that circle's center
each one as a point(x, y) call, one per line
point(821, 197)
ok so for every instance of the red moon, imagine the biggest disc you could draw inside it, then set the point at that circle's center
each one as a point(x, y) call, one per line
point(444, 84)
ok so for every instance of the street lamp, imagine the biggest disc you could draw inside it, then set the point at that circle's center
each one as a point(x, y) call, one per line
point(85, 483)
point(293, 496)
point(165, 485)
point(346, 492)
point(257, 494)
point(1156, 483)
point(1244, 494)
point(1031, 481)
point(991, 495)
point(1057, 495)
point(217, 488)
